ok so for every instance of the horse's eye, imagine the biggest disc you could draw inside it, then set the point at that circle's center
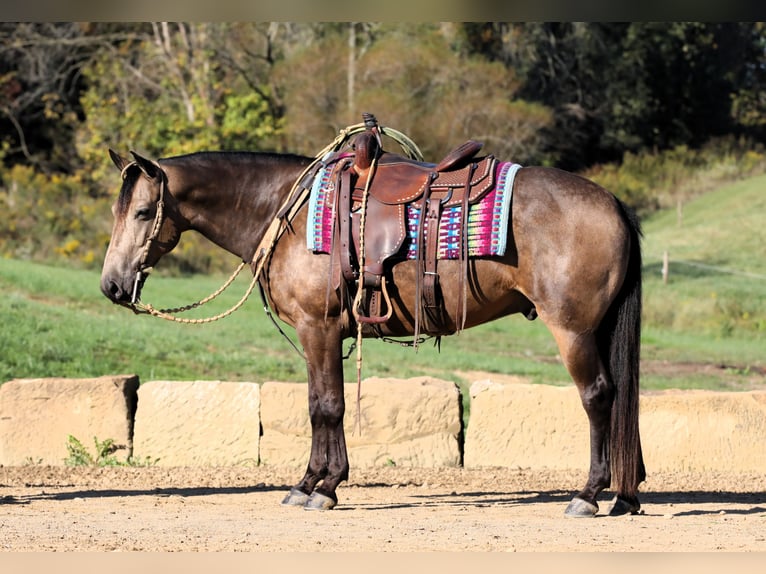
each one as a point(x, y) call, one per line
point(143, 213)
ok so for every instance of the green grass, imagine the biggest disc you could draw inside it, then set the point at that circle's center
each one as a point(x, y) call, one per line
point(712, 310)
point(57, 323)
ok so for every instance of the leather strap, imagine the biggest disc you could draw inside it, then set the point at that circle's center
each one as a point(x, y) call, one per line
point(462, 283)
point(431, 279)
point(343, 197)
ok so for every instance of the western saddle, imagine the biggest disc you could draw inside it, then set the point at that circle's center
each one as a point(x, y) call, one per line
point(373, 191)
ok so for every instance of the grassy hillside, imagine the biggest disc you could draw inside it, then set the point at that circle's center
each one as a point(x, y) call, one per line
point(714, 301)
point(705, 328)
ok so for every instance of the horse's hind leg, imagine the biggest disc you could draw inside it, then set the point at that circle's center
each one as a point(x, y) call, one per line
point(579, 352)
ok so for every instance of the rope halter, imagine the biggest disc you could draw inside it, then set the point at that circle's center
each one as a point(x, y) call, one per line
point(155, 237)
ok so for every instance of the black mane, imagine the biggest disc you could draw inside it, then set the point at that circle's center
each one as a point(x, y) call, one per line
point(204, 159)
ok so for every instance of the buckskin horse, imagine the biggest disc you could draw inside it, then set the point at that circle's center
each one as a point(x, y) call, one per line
point(573, 259)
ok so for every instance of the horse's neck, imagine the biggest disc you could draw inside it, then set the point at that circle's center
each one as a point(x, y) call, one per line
point(233, 204)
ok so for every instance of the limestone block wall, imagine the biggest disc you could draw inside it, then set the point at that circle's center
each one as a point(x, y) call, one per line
point(413, 422)
point(197, 423)
point(538, 426)
point(407, 422)
point(704, 431)
point(526, 426)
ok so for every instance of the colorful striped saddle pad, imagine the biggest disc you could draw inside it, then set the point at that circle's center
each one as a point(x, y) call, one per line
point(487, 219)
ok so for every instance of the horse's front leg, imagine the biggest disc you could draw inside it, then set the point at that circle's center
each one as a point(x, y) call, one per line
point(328, 462)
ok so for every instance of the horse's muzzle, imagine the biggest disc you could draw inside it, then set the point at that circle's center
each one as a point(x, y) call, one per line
point(113, 291)
point(122, 292)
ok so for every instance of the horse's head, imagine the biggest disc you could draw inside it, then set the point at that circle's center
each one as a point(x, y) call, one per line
point(145, 228)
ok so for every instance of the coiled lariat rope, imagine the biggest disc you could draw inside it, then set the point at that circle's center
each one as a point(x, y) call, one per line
point(295, 200)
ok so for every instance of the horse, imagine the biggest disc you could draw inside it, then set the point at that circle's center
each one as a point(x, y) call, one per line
point(573, 260)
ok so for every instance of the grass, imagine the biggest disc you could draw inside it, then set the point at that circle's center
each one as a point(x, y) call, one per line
point(103, 454)
point(712, 309)
point(57, 323)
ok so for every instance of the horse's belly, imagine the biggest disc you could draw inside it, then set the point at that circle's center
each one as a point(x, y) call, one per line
point(488, 293)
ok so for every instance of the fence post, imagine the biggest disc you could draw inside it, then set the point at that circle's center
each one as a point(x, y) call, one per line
point(665, 265)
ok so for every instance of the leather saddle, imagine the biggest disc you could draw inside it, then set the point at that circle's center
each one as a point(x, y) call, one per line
point(378, 187)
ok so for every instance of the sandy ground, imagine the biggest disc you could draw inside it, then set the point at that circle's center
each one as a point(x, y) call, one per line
point(390, 510)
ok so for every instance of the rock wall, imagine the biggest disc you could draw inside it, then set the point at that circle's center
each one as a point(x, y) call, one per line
point(532, 426)
point(413, 422)
point(38, 415)
point(197, 423)
point(526, 426)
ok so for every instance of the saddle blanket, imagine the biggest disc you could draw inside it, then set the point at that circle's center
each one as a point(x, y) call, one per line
point(487, 219)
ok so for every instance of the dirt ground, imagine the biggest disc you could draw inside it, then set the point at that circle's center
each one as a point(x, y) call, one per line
point(390, 510)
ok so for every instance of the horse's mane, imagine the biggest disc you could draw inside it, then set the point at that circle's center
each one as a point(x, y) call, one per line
point(207, 160)
point(205, 157)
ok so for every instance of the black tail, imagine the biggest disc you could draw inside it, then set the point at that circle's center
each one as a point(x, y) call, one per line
point(621, 335)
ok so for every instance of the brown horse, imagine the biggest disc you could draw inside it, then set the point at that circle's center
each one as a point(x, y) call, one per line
point(573, 259)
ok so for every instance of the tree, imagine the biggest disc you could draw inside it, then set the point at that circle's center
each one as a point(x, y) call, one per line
point(616, 87)
point(679, 80)
point(179, 88)
point(414, 80)
point(40, 85)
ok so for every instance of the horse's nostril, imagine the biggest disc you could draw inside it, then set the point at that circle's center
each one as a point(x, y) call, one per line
point(111, 290)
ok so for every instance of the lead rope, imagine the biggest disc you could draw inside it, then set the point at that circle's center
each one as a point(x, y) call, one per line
point(358, 296)
point(169, 314)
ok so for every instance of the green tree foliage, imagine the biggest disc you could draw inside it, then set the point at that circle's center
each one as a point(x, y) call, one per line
point(180, 88)
point(160, 88)
point(608, 97)
point(413, 80)
point(39, 90)
point(616, 87)
point(49, 218)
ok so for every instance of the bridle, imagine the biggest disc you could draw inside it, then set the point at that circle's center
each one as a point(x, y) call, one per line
point(153, 238)
point(165, 241)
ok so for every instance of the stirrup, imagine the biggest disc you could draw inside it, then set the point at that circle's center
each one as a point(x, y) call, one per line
point(375, 320)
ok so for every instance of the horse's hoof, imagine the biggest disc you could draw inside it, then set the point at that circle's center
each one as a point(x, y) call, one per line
point(580, 508)
point(622, 506)
point(319, 501)
point(295, 498)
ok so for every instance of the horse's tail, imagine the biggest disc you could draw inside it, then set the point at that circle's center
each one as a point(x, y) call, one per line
point(621, 338)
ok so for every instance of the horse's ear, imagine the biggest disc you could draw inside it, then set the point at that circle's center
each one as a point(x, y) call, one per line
point(118, 160)
point(150, 168)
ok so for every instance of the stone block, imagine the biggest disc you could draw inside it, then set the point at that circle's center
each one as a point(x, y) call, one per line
point(522, 425)
point(197, 423)
point(543, 426)
point(704, 431)
point(38, 415)
point(407, 422)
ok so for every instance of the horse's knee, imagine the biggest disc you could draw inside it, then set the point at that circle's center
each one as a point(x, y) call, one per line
point(327, 410)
